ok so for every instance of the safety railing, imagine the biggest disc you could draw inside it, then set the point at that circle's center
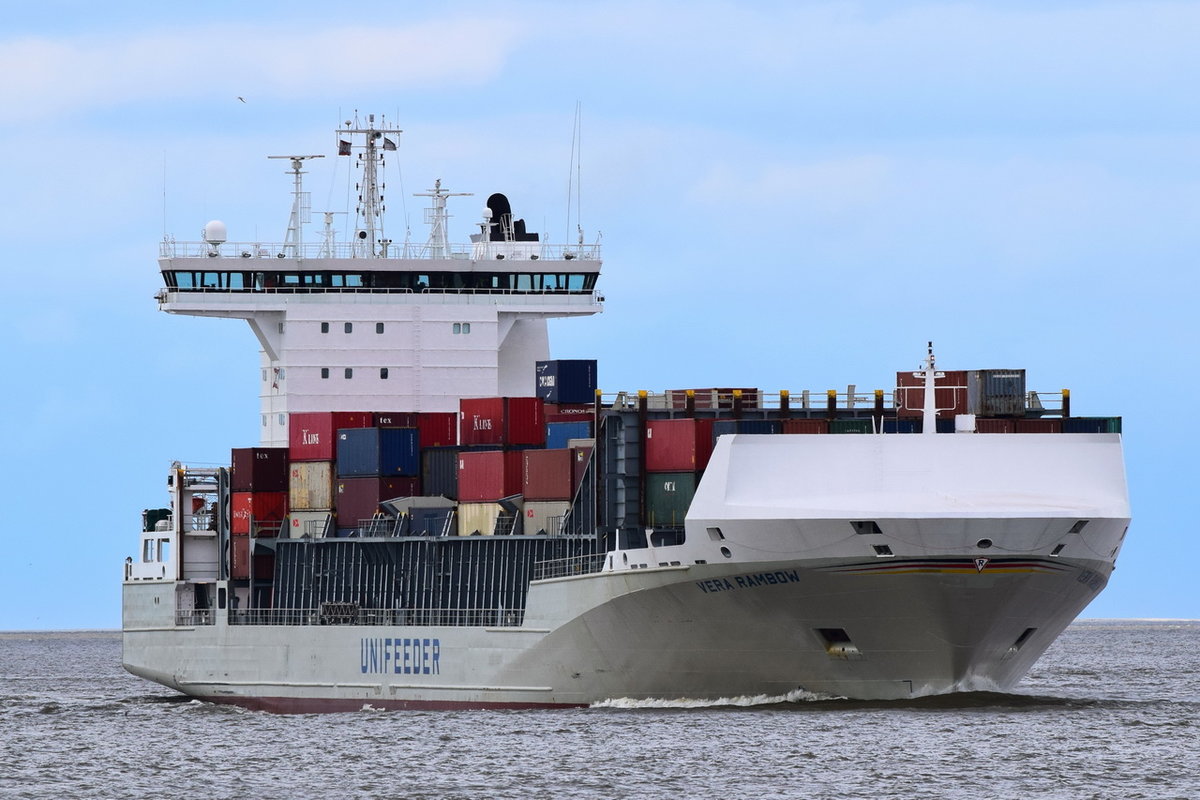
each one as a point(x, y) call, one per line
point(532, 251)
point(352, 614)
point(567, 567)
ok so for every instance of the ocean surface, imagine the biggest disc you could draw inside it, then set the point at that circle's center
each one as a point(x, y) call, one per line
point(1111, 711)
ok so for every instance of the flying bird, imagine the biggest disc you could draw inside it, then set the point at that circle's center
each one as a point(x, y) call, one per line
point(242, 99)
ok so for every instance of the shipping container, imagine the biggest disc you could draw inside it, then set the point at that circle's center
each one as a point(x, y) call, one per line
point(501, 421)
point(678, 445)
point(989, 425)
point(432, 522)
point(722, 427)
point(358, 498)
point(437, 429)
point(1091, 425)
point(806, 425)
point(364, 452)
point(996, 392)
point(394, 419)
point(566, 380)
point(668, 495)
point(479, 519)
point(312, 436)
point(241, 564)
point(569, 412)
point(544, 517)
point(951, 393)
point(259, 469)
point(311, 486)
point(313, 524)
point(250, 511)
point(1042, 425)
point(548, 475)
point(863, 425)
point(439, 471)
point(559, 434)
point(904, 425)
point(489, 475)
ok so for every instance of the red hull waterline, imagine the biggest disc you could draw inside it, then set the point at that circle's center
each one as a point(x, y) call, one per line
point(331, 705)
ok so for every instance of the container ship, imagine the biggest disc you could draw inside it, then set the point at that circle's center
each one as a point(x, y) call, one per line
point(439, 515)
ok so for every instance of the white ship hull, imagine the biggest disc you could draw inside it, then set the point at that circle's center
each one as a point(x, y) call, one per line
point(698, 632)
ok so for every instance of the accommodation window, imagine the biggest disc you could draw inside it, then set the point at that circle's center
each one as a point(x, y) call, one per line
point(324, 327)
point(349, 373)
point(379, 327)
point(324, 372)
point(349, 327)
point(458, 327)
point(383, 373)
point(466, 327)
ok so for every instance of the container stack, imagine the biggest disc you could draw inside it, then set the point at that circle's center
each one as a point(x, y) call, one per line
point(677, 451)
point(259, 488)
point(312, 449)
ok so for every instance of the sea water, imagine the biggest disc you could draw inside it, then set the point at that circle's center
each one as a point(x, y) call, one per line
point(1111, 711)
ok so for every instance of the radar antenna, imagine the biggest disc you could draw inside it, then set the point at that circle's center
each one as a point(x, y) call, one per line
point(370, 199)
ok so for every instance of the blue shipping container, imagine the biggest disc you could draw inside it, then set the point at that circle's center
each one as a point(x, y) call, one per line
point(557, 433)
point(908, 425)
point(365, 452)
point(566, 381)
point(758, 426)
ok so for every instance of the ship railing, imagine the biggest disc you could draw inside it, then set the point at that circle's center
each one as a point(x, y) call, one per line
point(193, 617)
point(751, 399)
point(352, 614)
point(567, 567)
point(520, 251)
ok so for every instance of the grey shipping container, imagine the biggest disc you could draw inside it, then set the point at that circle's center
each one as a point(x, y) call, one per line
point(996, 392)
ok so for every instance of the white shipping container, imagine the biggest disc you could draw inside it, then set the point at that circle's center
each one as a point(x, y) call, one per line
point(313, 524)
point(544, 516)
point(310, 487)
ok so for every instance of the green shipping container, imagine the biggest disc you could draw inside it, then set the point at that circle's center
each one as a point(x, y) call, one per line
point(668, 495)
point(851, 426)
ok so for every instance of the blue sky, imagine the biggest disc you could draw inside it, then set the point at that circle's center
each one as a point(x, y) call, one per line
point(791, 195)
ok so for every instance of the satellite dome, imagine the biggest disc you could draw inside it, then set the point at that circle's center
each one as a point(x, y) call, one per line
point(215, 233)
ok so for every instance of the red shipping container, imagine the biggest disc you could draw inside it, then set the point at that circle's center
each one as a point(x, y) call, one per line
point(485, 476)
point(393, 419)
point(569, 412)
point(313, 436)
point(1051, 425)
point(259, 469)
point(501, 420)
point(678, 445)
point(986, 425)
point(806, 426)
point(239, 561)
point(358, 498)
point(949, 394)
point(437, 429)
point(549, 475)
point(268, 507)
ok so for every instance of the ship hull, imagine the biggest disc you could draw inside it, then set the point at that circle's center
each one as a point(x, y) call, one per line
point(698, 632)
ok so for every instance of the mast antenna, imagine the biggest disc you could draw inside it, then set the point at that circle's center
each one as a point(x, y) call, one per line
point(293, 244)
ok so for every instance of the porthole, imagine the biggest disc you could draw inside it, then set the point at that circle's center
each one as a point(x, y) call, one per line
point(984, 544)
point(725, 551)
